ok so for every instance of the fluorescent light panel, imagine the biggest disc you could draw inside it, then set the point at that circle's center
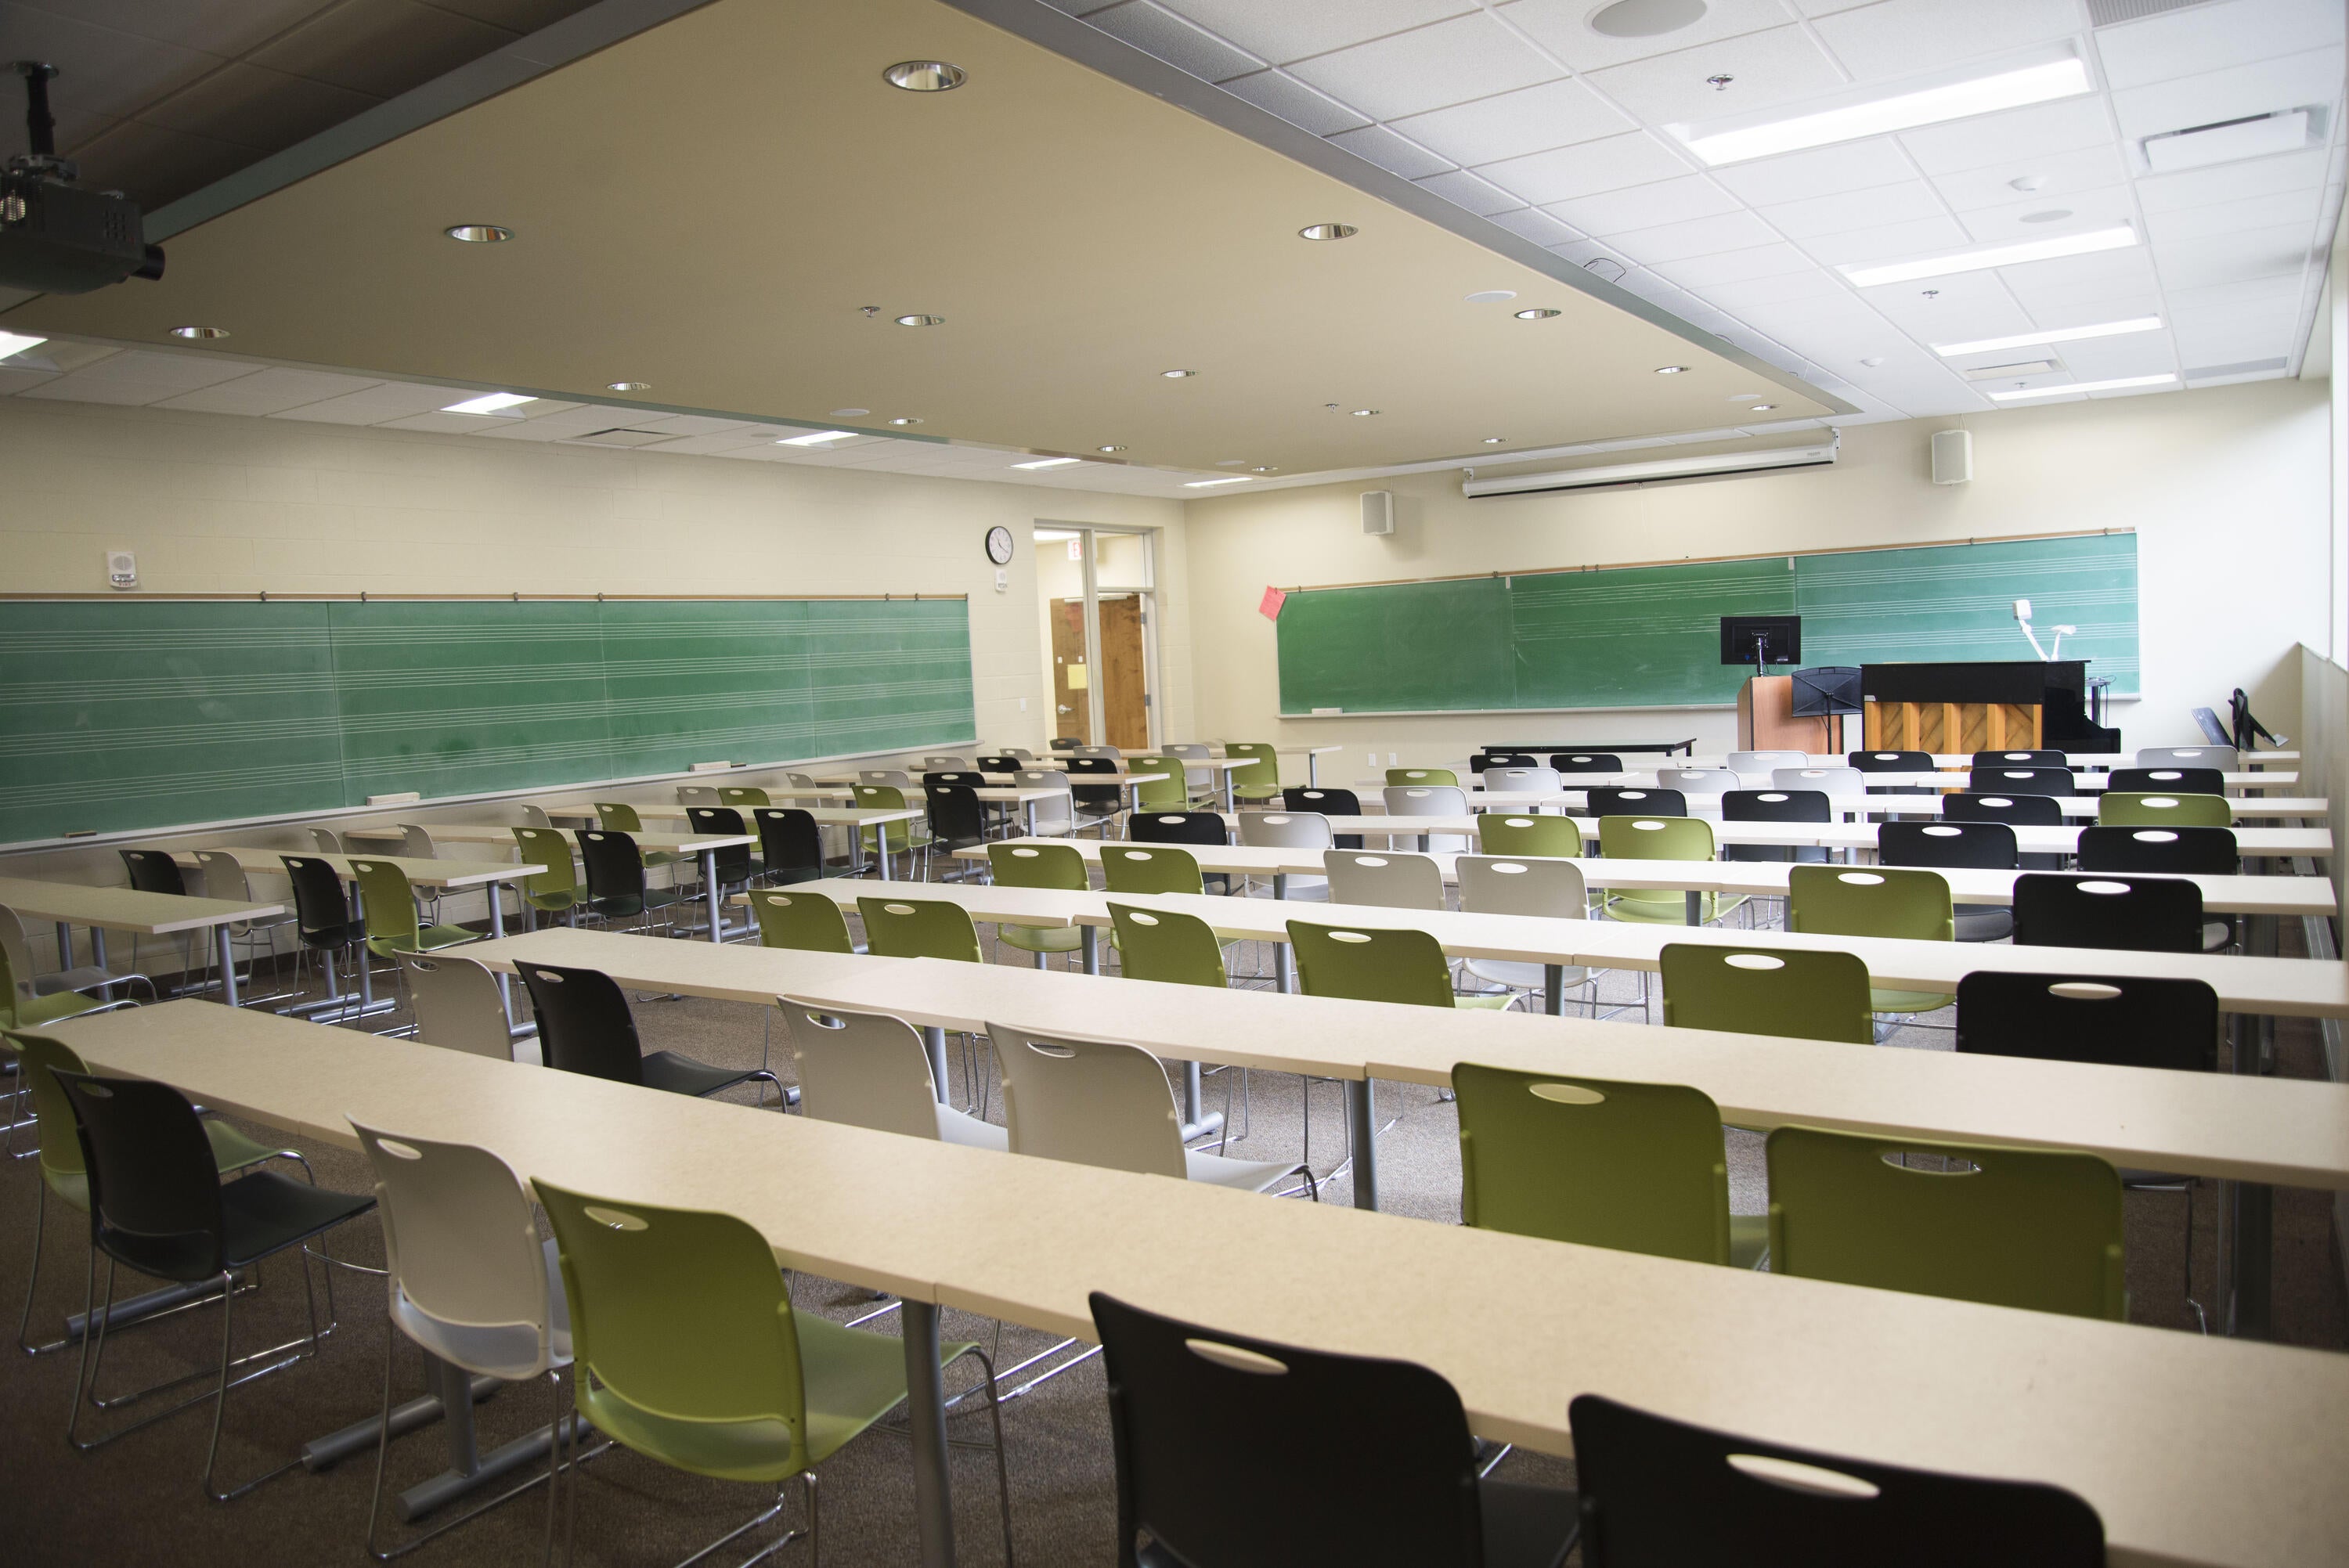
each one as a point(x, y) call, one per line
point(1227, 479)
point(1049, 463)
point(13, 342)
point(2126, 381)
point(2055, 334)
point(488, 403)
point(2094, 239)
point(815, 439)
point(2011, 89)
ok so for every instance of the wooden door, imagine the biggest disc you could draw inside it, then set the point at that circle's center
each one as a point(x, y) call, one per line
point(1125, 712)
point(1071, 714)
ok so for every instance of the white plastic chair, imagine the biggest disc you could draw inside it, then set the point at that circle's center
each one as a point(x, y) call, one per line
point(1524, 780)
point(1430, 800)
point(1384, 878)
point(458, 1004)
point(76, 978)
point(1111, 752)
point(1496, 884)
point(329, 844)
point(895, 776)
point(1059, 816)
point(223, 877)
point(536, 817)
point(945, 765)
point(870, 1069)
point(1199, 781)
point(1845, 787)
point(1097, 1102)
point(2222, 758)
point(1290, 831)
point(1764, 761)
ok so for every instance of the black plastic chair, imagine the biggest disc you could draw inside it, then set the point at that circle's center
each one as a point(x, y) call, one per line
point(1103, 802)
point(2042, 757)
point(974, 780)
point(154, 871)
point(1893, 762)
point(2204, 852)
point(585, 1027)
point(1775, 806)
point(1330, 803)
point(1332, 1459)
point(1661, 1493)
point(1607, 800)
point(737, 866)
point(1984, 846)
point(2139, 914)
point(322, 913)
point(994, 764)
point(158, 1204)
point(2023, 781)
point(2168, 781)
point(791, 844)
point(957, 815)
point(1483, 760)
point(1583, 762)
point(2016, 811)
point(1184, 828)
point(616, 877)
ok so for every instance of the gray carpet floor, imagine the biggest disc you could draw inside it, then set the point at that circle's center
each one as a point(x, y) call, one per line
point(137, 1500)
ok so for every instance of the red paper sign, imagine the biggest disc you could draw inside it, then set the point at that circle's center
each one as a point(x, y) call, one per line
point(1270, 606)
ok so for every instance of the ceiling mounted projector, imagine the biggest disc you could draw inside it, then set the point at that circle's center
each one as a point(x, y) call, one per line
point(56, 236)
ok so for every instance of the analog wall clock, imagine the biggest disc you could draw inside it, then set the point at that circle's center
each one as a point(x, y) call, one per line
point(998, 545)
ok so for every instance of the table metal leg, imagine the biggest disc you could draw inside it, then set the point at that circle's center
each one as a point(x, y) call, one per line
point(1091, 937)
point(933, 1040)
point(1312, 771)
point(98, 954)
point(227, 966)
point(709, 887)
point(881, 843)
point(1696, 908)
point(1363, 1112)
point(497, 932)
point(1554, 989)
point(926, 1412)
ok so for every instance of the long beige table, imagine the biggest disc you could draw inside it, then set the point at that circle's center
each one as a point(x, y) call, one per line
point(1518, 1326)
point(2286, 843)
point(2243, 807)
point(105, 909)
point(1948, 759)
point(1939, 778)
point(1313, 755)
point(827, 816)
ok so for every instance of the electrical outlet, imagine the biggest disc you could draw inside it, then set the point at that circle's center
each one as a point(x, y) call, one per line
point(1392, 762)
point(1023, 704)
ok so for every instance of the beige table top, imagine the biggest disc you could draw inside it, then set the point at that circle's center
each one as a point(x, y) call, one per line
point(502, 833)
point(1279, 751)
point(2287, 842)
point(994, 794)
point(126, 909)
point(1959, 777)
point(2193, 1450)
point(1957, 760)
point(423, 873)
point(2244, 807)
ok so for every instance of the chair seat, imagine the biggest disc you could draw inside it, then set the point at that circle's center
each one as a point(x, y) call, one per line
point(1668, 908)
point(508, 1350)
point(551, 903)
point(2215, 935)
point(1522, 977)
point(1245, 1175)
point(427, 939)
point(1494, 1004)
point(955, 1127)
point(342, 935)
point(80, 977)
point(674, 1074)
point(1908, 1001)
point(1041, 938)
point(1984, 925)
point(1749, 1238)
point(263, 1212)
point(232, 1150)
point(1526, 1526)
point(32, 1012)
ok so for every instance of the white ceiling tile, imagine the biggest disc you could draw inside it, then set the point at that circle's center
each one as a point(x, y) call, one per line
point(2080, 211)
point(385, 400)
point(2285, 82)
point(2232, 343)
point(1777, 289)
point(1908, 37)
point(576, 419)
point(1509, 125)
point(682, 424)
point(1582, 252)
point(441, 423)
point(2131, 267)
point(2233, 258)
point(1766, 68)
point(267, 391)
point(1290, 32)
point(1819, 171)
point(1645, 206)
point(1463, 189)
point(1469, 56)
point(2058, 173)
point(1908, 203)
point(1175, 40)
point(2085, 304)
point(704, 445)
point(1533, 223)
point(2211, 38)
point(2233, 181)
point(66, 389)
point(1562, 26)
point(1698, 237)
point(1564, 173)
point(1887, 242)
point(170, 371)
point(2227, 217)
point(2010, 136)
point(2221, 299)
point(1390, 152)
point(1301, 105)
point(14, 378)
point(2108, 358)
point(1703, 273)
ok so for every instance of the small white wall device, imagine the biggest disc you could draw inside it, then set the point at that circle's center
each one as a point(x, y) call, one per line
point(1378, 513)
point(1953, 457)
point(121, 568)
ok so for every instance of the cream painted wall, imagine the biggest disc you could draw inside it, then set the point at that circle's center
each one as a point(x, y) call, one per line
point(2227, 488)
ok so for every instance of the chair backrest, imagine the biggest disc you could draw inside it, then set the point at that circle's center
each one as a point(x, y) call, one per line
point(1437, 800)
point(1661, 1493)
point(1161, 945)
point(1286, 830)
point(866, 1069)
point(547, 846)
point(1422, 775)
point(1649, 837)
point(1500, 833)
point(1189, 751)
point(1247, 1451)
point(877, 798)
point(318, 901)
point(17, 957)
point(618, 817)
point(950, 764)
point(584, 1022)
point(1611, 800)
point(1486, 761)
point(1328, 802)
point(2223, 758)
point(325, 842)
point(1586, 762)
point(416, 842)
point(2044, 758)
point(1776, 806)
point(1177, 827)
point(1826, 781)
point(2022, 781)
point(223, 874)
point(698, 795)
point(789, 842)
point(1261, 776)
point(2168, 780)
point(1870, 901)
point(1018, 752)
point(1892, 761)
point(387, 899)
point(1371, 964)
point(1524, 780)
point(1988, 845)
point(153, 871)
point(2139, 913)
point(1160, 784)
point(154, 1187)
point(1089, 1102)
point(1057, 811)
point(1111, 752)
point(615, 867)
point(1502, 884)
point(458, 1004)
point(734, 860)
point(2122, 1021)
point(535, 816)
point(2036, 1228)
point(998, 762)
point(461, 1243)
point(1699, 780)
point(919, 928)
point(972, 777)
point(1638, 1167)
point(744, 797)
point(1153, 867)
point(2132, 808)
point(1801, 995)
point(1385, 878)
point(681, 1312)
point(1764, 761)
point(894, 778)
point(809, 921)
point(2020, 810)
point(38, 1057)
point(1038, 865)
point(956, 816)
point(2209, 851)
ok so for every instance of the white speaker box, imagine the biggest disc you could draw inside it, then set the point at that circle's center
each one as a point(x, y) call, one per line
point(1953, 457)
point(1377, 511)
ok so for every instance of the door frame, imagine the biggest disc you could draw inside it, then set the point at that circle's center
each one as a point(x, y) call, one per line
point(1096, 711)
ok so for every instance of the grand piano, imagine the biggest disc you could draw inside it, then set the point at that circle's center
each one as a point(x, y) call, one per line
point(1991, 705)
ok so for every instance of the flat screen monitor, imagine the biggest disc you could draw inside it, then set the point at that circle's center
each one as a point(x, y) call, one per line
point(1761, 639)
point(1826, 691)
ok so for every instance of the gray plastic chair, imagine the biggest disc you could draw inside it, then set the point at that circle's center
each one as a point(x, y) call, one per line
point(897, 777)
point(1430, 800)
point(2223, 758)
point(1523, 780)
point(536, 817)
point(1761, 763)
point(1845, 787)
point(1384, 878)
point(458, 1004)
point(945, 765)
point(1290, 831)
point(1496, 884)
point(691, 795)
point(327, 841)
point(223, 877)
point(1111, 752)
point(78, 977)
point(1052, 816)
point(871, 1070)
point(1698, 781)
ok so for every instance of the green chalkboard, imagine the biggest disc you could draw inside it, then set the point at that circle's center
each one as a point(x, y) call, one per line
point(125, 714)
point(1649, 637)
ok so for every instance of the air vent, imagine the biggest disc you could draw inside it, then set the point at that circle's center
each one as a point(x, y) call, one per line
point(620, 436)
point(2229, 140)
point(2108, 13)
point(2246, 367)
point(2010, 372)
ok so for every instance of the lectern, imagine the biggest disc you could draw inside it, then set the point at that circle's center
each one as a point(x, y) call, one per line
point(1990, 706)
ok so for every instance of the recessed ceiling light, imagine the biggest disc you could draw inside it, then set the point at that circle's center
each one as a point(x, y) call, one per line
point(1874, 112)
point(1494, 440)
point(1741, 397)
point(2030, 182)
point(1645, 18)
point(1762, 407)
point(1226, 480)
point(816, 439)
point(1491, 297)
point(1177, 374)
point(925, 75)
point(1873, 360)
point(848, 413)
point(2161, 380)
point(1328, 231)
point(479, 234)
point(16, 343)
point(1364, 413)
point(629, 385)
point(1109, 449)
point(921, 321)
point(1231, 462)
point(1669, 369)
point(199, 332)
point(2054, 334)
point(1263, 468)
point(488, 403)
point(905, 420)
point(1539, 312)
point(1049, 463)
point(1974, 260)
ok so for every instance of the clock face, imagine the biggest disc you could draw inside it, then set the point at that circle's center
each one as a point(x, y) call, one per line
point(998, 545)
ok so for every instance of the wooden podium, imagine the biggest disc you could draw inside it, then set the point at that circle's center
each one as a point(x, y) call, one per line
point(1766, 721)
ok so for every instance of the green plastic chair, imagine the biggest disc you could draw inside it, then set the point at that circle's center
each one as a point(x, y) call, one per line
point(744, 797)
point(1423, 776)
point(1039, 865)
point(690, 1351)
point(1638, 1167)
point(888, 838)
point(1161, 945)
point(1373, 964)
point(21, 1009)
point(2143, 808)
point(808, 922)
point(619, 817)
point(555, 890)
point(1151, 867)
point(1660, 839)
point(1260, 779)
point(1875, 900)
point(2033, 1228)
point(392, 925)
point(1801, 995)
point(919, 928)
point(1528, 837)
point(1167, 790)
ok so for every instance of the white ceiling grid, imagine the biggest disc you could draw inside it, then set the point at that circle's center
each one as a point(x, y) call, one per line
point(1519, 112)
